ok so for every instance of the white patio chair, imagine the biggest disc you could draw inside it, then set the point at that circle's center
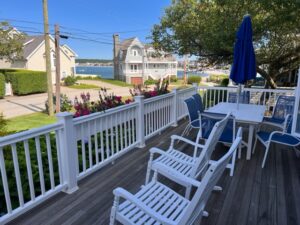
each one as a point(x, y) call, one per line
point(191, 166)
point(156, 203)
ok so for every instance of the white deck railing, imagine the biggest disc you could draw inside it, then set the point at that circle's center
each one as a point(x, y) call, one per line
point(42, 162)
point(51, 159)
point(213, 95)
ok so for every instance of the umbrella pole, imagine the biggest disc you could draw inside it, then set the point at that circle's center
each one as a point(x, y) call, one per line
point(238, 96)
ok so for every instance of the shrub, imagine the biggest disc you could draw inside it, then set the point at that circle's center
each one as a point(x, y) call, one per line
point(194, 79)
point(65, 103)
point(225, 82)
point(217, 78)
point(70, 80)
point(3, 124)
point(150, 81)
point(2, 85)
point(27, 82)
point(173, 78)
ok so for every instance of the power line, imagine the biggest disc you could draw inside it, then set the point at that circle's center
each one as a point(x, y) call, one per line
point(72, 28)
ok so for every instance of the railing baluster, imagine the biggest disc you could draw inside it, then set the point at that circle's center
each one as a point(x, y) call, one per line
point(102, 139)
point(50, 161)
point(121, 130)
point(125, 129)
point(40, 163)
point(5, 182)
point(89, 134)
point(58, 152)
point(29, 171)
point(117, 132)
point(83, 148)
point(96, 142)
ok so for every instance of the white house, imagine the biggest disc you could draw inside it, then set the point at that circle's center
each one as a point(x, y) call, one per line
point(33, 57)
point(135, 62)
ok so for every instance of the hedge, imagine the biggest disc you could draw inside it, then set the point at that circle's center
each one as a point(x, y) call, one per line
point(194, 79)
point(27, 82)
point(2, 85)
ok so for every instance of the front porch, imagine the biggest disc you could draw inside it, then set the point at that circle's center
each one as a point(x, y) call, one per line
point(252, 196)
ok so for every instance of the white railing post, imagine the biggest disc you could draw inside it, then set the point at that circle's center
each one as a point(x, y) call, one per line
point(175, 107)
point(68, 151)
point(140, 123)
point(195, 85)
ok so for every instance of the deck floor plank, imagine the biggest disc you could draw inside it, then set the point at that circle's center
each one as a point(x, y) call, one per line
point(252, 196)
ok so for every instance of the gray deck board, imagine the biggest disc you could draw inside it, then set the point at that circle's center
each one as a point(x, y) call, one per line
point(252, 196)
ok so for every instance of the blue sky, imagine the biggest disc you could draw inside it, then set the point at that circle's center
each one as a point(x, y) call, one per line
point(133, 17)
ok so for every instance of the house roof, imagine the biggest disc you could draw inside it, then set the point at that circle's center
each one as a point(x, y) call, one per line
point(31, 43)
point(126, 43)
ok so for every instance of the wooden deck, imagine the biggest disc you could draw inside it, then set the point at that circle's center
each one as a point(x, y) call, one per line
point(252, 196)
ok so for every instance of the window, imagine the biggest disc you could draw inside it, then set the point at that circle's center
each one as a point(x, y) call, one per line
point(135, 52)
point(133, 68)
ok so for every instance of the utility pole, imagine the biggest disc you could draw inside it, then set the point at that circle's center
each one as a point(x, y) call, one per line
point(184, 71)
point(48, 61)
point(57, 56)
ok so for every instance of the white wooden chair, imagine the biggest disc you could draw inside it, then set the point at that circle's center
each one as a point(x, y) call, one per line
point(191, 166)
point(156, 203)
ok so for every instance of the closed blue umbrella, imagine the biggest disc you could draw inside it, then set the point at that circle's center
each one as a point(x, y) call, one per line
point(244, 64)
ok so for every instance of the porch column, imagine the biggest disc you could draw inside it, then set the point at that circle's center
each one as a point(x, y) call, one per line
point(140, 123)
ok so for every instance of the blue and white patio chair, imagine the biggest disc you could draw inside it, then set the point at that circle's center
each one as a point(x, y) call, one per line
point(208, 120)
point(199, 102)
point(244, 97)
point(193, 112)
point(156, 203)
point(284, 106)
point(283, 137)
point(191, 166)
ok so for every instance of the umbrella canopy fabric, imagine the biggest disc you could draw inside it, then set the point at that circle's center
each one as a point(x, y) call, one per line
point(244, 64)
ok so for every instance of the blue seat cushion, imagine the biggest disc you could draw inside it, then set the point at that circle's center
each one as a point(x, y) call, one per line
point(282, 138)
point(273, 120)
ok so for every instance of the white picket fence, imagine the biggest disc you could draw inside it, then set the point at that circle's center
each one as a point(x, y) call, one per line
point(63, 153)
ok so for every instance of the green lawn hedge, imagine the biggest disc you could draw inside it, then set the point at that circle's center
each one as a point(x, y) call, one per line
point(2, 85)
point(27, 82)
point(194, 79)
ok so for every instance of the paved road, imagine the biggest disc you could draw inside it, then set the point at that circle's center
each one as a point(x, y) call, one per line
point(13, 106)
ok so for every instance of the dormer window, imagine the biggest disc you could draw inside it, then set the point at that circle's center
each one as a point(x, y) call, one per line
point(134, 52)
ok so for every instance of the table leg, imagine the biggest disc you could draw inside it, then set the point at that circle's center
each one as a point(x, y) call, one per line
point(250, 138)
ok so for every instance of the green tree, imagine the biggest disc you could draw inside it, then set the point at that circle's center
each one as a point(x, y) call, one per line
point(11, 42)
point(207, 29)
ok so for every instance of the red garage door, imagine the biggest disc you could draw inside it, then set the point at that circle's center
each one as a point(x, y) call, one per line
point(136, 80)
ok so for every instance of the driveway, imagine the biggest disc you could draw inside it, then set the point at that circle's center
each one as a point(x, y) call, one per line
point(13, 106)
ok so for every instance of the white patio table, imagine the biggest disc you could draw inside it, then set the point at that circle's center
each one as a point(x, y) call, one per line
point(247, 113)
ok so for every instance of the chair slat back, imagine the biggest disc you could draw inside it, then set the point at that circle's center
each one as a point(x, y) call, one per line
point(192, 109)
point(283, 107)
point(199, 103)
point(208, 182)
point(205, 155)
point(244, 97)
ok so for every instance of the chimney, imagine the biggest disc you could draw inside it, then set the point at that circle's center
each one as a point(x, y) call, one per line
point(116, 41)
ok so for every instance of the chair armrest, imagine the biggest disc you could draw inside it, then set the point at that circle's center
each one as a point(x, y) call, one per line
point(120, 192)
point(174, 173)
point(163, 153)
point(282, 133)
point(176, 137)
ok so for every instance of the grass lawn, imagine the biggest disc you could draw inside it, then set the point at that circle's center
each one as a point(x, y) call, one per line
point(116, 82)
point(29, 121)
point(84, 86)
